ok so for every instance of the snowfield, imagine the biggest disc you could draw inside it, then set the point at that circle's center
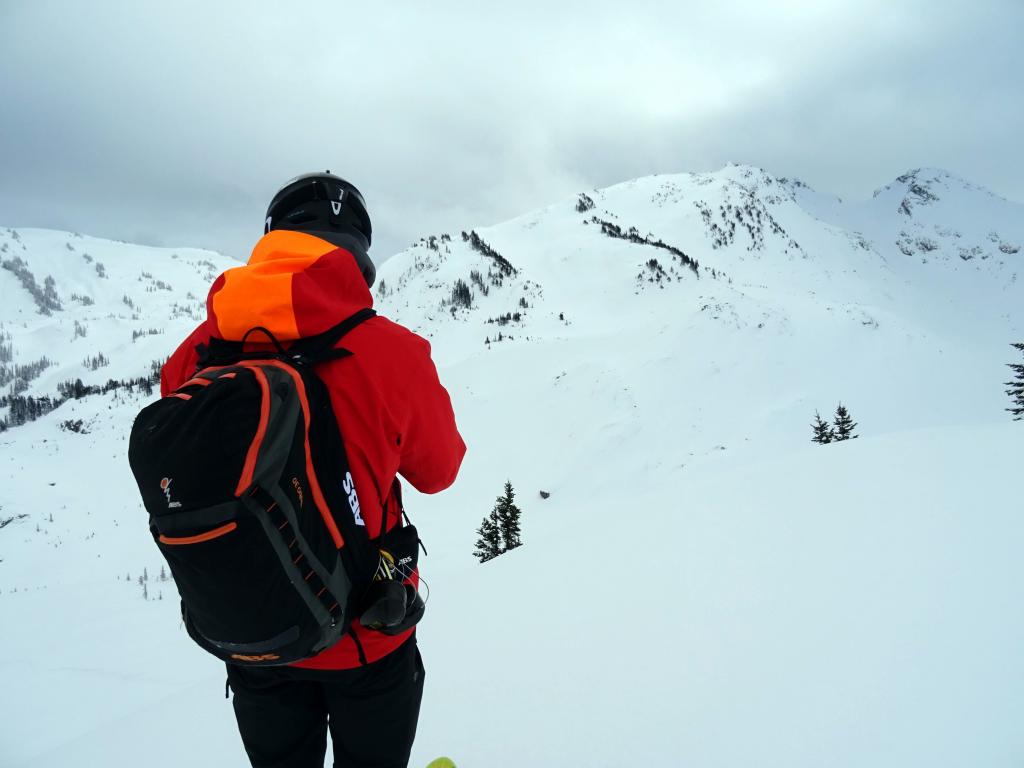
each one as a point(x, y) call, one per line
point(703, 587)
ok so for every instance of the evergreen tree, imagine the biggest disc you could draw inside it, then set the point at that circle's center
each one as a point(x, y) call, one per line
point(461, 295)
point(844, 424)
point(823, 433)
point(488, 543)
point(1016, 387)
point(508, 519)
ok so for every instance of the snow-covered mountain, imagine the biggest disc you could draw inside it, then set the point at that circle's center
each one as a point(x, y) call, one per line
point(77, 307)
point(701, 587)
point(798, 301)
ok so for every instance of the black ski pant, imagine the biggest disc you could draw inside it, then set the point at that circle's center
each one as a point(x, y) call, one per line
point(283, 713)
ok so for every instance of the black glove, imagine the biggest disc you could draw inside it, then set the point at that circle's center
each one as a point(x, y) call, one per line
point(393, 607)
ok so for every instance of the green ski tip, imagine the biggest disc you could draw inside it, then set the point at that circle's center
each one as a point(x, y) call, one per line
point(441, 762)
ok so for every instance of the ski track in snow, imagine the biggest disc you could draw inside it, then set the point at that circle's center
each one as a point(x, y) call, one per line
point(703, 586)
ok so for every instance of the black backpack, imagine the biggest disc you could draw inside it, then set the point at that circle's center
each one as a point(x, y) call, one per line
point(244, 475)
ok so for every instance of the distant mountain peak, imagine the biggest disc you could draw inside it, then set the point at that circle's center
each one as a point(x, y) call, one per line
point(925, 186)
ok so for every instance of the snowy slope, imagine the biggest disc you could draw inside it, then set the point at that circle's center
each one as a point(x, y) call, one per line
point(129, 304)
point(670, 370)
point(703, 586)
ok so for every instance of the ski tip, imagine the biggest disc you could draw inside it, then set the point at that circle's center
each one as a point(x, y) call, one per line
point(441, 762)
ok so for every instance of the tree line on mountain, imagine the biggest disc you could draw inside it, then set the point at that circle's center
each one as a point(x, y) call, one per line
point(96, 362)
point(501, 529)
point(19, 376)
point(46, 298)
point(8, 519)
point(611, 229)
point(506, 319)
point(24, 409)
point(461, 296)
point(479, 245)
point(584, 203)
point(1016, 386)
point(478, 280)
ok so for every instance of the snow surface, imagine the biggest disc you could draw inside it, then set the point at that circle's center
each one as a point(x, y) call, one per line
point(702, 587)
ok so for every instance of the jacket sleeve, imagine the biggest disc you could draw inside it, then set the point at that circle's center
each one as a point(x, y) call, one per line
point(432, 448)
point(182, 364)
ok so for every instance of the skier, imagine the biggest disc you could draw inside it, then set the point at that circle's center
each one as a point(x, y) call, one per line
point(309, 271)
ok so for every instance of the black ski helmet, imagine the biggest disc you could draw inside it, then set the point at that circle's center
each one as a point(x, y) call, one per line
point(328, 207)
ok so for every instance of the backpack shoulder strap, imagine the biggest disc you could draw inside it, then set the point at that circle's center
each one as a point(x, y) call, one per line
point(320, 348)
point(312, 349)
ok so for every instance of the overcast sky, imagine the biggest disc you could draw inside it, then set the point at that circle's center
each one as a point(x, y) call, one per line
point(174, 123)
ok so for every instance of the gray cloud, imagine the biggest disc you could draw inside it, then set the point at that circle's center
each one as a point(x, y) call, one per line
point(174, 123)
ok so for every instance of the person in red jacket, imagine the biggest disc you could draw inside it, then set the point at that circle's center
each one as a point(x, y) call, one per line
point(310, 271)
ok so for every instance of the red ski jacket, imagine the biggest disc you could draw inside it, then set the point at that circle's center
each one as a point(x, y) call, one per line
point(394, 414)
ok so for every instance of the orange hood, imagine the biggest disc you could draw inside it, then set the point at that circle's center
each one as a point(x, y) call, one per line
point(294, 285)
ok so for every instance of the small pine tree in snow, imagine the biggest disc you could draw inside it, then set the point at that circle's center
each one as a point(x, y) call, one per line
point(844, 424)
point(508, 519)
point(501, 530)
point(1016, 387)
point(823, 433)
point(488, 543)
point(163, 574)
